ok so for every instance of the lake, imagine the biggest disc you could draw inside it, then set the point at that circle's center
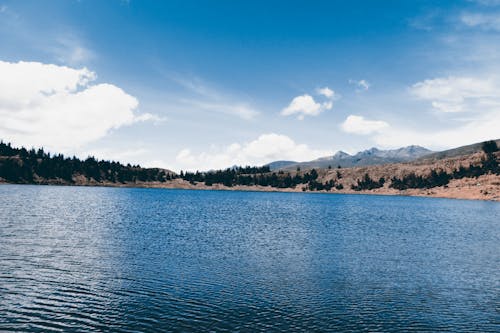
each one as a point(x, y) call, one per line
point(139, 260)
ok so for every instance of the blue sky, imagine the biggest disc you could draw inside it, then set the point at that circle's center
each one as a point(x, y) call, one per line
point(209, 84)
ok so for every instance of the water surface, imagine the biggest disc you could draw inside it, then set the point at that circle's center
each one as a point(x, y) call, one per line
point(139, 260)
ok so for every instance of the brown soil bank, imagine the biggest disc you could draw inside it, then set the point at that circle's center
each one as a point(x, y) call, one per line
point(485, 187)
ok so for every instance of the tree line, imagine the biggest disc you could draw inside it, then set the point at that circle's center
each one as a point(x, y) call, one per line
point(249, 176)
point(19, 165)
point(366, 183)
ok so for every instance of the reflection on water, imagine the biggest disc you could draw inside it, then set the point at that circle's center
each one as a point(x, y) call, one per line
point(103, 259)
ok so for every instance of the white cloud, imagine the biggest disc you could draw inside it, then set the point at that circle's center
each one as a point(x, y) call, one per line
point(241, 110)
point(197, 86)
point(305, 105)
point(266, 148)
point(360, 125)
point(478, 97)
point(457, 94)
point(485, 127)
point(215, 101)
point(150, 117)
point(327, 92)
point(73, 54)
point(362, 85)
point(58, 107)
point(486, 21)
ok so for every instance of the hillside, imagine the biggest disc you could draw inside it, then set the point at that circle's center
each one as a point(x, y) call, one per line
point(471, 176)
point(276, 165)
point(455, 152)
point(371, 156)
point(22, 166)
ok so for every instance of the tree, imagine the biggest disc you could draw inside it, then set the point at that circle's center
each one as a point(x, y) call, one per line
point(19, 165)
point(368, 184)
point(489, 147)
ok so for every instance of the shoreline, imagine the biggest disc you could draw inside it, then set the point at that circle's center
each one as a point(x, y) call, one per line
point(240, 188)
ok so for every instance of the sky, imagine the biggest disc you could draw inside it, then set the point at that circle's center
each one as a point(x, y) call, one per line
point(199, 85)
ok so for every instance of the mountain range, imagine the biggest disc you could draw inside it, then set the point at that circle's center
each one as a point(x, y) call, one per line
point(372, 156)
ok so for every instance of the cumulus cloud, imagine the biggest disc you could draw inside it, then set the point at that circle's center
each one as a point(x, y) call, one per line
point(58, 107)
point(359, 125)
point(266, 148)
point(361, 85)
point(457, 94)
point(305, 105)
point(327, 92)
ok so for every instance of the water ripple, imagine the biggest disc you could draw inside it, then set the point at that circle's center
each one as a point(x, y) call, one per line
point(146, 260)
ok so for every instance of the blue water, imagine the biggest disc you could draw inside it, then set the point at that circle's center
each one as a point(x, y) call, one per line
point(142, 260)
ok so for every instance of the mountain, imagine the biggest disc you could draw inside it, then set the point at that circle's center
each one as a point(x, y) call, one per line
point(470, 172)
point(372, 156)
point(276, 165)
point(340, 155)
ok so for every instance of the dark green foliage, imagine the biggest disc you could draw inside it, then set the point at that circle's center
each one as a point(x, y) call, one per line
point(261, 176)
point(249, 176)
point(368, 184)
point(489, 164)
point(434, 179)
point(318, 186)
point(490, 147)
point(18, 165)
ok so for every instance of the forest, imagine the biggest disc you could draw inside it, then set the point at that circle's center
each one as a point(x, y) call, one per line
point(19, 165)
point(23, 166)
point(249, 176)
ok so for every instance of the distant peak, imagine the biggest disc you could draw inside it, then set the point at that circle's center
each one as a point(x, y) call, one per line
point(341, 153)
point(370, 151)
point(414, 147)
